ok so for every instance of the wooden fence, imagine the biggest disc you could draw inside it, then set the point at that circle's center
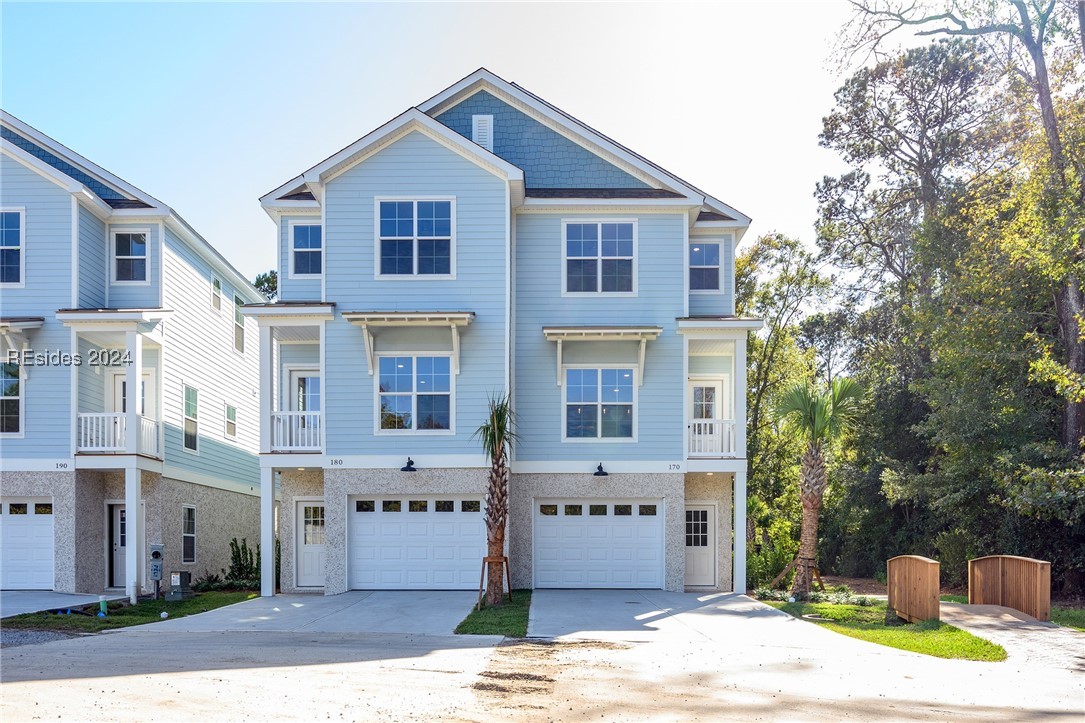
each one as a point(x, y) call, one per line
point(913, 587)
point(1020, 583)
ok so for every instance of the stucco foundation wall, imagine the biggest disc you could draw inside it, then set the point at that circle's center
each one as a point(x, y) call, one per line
point(294, 484)
point(718, 489)
point(523, 488)
point(339, 484)
point(60, 486)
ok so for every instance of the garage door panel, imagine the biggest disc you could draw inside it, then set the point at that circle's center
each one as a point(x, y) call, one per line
point(26, 544)
point(423, 543)
point(592, 543)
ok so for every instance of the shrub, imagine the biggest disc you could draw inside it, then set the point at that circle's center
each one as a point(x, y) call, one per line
point(763, 566)
point(243, 562)
point(836, 597)
point(207, 582)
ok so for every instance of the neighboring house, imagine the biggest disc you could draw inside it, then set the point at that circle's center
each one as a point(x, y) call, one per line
point(104, 289)
point(487, 243)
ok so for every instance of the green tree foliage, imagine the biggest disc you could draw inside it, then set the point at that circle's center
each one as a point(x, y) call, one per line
point(268, 284)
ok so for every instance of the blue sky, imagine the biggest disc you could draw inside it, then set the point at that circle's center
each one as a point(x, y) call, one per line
point(208, 106)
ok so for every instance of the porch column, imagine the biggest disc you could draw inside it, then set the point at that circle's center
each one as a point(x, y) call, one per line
point(739, 583)
point(133, 531)
point(133, 375)
point(739, 397)
point(266, 378)
point(267, 531)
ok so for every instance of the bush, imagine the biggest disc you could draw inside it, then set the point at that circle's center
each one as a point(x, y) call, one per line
point(243, 562)
point(763, 566)
point(208, 582)
point(836, 596)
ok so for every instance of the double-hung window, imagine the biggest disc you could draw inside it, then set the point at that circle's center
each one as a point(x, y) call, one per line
point(415, 238)
point(12, 252)
point(239, 325)
point(11, 399)
point(130, 256)
point(599, 257)
point(192, 428)
point(231, 422)
point(704, 267)
point(188, 533)
point(415, 393)
point(216, 294)
point(307, 250)
point(599, 403)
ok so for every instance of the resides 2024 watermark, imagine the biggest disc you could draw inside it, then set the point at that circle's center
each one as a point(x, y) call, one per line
point(58, 358)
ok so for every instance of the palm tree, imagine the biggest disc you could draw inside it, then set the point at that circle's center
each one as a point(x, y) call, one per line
point(819, 418)
point(497, 437)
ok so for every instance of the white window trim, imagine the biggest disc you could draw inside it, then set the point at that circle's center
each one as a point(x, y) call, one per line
point(377, 240)
point(185, 418)
point(636, 404)
point(706, 292)
point(22, 406)
point(226, 406)
point(195, 522)
point(290, 248)
point(599, 268)
point(234, 326)
point(113, 280)
point(414, 397)
point(21, 210)
point(216, 295)
point(286, 391)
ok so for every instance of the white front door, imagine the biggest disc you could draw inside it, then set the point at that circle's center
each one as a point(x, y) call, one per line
point(119, 543)
point(119, 397)
point(416, 542)
point(700, 545)
point(706, 405)
point(26, 544)
point(304, 391)
point(310, 557)
point(598, 543)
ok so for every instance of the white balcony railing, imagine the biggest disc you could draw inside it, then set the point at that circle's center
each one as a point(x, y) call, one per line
point(711, 438)
point(107, 432)
point(295, 431)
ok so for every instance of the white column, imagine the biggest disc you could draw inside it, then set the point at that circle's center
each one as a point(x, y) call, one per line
point(133, 531)
point(267, 532)
point(740, 396)
point(739, 583)
point(132, 377)
point(266, 371)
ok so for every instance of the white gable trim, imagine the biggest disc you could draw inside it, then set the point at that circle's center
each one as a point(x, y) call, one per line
point(40, 167)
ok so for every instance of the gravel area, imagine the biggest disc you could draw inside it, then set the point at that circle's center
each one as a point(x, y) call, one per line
point(12, 638)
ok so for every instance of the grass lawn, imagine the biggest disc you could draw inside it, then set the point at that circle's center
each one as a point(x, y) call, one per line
point(954, 598)
point(1069, 617)
point(509, 619)
point(122, 615)
point(930, 637)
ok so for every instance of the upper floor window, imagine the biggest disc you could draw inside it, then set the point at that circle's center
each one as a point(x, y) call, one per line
point(306, 250)
point(600, 258)
point(11, 399)
point(216, 294)
point(231, 422)
point(599, 403)
point(704, 267)
point(130, 256)
point(12, 257)
point(239, 325)
point(415, 392)
point(416, 238)
point(192, 428)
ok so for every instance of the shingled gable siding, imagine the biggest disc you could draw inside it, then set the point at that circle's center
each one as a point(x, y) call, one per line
point(548, 159)
point(99, 188)
point(294, 289)
point(200, 353)
point(47, 287)
point(93, 253)
point(539, 303)
point(414, 166)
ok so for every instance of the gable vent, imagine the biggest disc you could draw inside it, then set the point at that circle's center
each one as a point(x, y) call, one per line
point(482, 131)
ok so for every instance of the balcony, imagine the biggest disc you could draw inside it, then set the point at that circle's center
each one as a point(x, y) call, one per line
point(107, 433)
point(295, 431)
point(711, 438)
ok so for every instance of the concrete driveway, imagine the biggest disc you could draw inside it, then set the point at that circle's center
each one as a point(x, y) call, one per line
point(419, 612)
point(17, 602)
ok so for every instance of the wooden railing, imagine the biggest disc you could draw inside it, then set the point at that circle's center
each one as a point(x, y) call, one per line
point(1021, 583)
point(711, 437)
point(913, 586)
point(107, 432)
point(295, 431)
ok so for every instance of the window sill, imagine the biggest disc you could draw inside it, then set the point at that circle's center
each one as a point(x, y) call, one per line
point(414, 277)
point(599, 440)
point(414, 432)
point(599, 294)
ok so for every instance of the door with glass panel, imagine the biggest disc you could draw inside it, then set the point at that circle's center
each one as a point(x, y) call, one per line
point(303, 424)
point(706, 427)
point(310, 557)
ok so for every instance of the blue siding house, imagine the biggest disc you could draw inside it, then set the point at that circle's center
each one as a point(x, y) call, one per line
point(103, 290)
point(486, 243)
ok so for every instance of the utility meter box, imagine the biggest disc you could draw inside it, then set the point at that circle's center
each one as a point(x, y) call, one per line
point(180, 586)
point(156, 562)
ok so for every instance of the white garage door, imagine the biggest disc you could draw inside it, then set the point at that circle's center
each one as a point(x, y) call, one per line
point(26, 544)
point(416, 542)
point(598, 543)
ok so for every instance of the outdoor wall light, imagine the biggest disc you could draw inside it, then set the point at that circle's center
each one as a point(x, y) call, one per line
point(600, 472)
point(409, 467)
